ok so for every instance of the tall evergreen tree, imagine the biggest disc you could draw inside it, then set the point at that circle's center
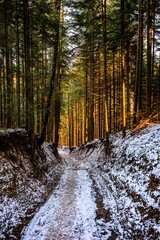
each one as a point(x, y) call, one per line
point(54, 69)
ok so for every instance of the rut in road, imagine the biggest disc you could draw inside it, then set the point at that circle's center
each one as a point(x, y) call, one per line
point(71, 211)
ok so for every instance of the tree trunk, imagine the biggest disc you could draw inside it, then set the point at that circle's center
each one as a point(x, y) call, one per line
point(86, 102)
point(18, 68)
point(139, 65)
point(58, 80)
point(122, 70)
point(8, 67)
point(1, 95)
point(149, 57)
point(99, 100)
point(114, 94)
point(104, 11)
point(53, 77)
point(158, 99)
point(91, 97)
point(28, 77)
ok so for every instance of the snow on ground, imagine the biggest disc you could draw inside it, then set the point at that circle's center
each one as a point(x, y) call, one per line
point(130, 184)
point(24, 187)
point(70, 212)
point(101, 198)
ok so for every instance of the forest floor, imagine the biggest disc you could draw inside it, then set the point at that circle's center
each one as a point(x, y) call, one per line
point(92, 197)
point(99, 198)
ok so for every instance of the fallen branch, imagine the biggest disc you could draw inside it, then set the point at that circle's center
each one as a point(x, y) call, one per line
point(150, 121)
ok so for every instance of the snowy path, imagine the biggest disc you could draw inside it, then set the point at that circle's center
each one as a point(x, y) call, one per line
point(70, 212)
point(97, 198)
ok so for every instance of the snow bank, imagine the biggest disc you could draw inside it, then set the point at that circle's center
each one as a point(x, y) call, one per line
point(126, 184)
point(129, 182)
point(25, 183)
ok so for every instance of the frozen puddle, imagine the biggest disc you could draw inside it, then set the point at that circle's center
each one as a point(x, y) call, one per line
point(70, 212)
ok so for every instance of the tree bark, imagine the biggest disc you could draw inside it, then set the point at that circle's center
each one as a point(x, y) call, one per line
point(28, 77)
point(122, 71)
point(58, 80)
point(18, 68)
point(104, 22)
point(149, 57)
point(53, 77)
point(91, 97)
point(139, 65)
point(8, 67)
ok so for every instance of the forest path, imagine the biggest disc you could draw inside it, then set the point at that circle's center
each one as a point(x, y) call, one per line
point(71, 212)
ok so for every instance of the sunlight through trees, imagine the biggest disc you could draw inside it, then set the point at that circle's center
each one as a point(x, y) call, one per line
point(72, 71)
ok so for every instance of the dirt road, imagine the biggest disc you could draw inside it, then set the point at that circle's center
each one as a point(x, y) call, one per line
point(72, 211)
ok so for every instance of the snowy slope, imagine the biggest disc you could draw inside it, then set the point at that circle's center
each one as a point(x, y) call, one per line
point(25, 184)
point(101, 198)
point(130, 184)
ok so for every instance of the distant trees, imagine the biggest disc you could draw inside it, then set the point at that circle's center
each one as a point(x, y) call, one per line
point(124, 52)
point(30, 43)
point(102, 78)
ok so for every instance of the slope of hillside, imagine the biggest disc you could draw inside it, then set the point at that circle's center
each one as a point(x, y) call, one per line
point(129, 183)
point(25, 183)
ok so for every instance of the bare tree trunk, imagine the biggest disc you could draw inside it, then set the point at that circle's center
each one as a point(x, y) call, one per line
point(58, 78)
point(28, 77)
point(18, 68)
point(1, 95)
point(99, 99)
point(128, 82)
point(114, 94)
point(139, 65)
point(53, 77)
point(158, 100)
point(91, 98)
point(104, 11)
point(8, 68)
point(122, 71)
point(86, 102)
point(149, 58)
